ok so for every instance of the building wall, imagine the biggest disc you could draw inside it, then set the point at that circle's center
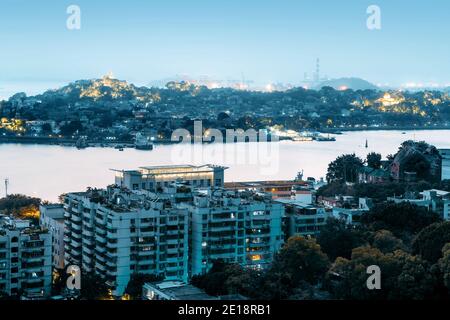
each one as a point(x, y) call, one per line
point(52, 218)
point(117, 243)
point(25, 262)
point(232, 231)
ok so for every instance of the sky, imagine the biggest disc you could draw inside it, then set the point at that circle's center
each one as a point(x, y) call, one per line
point(263, 40)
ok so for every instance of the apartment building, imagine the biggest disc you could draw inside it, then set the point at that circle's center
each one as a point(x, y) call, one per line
point(52, 218)
point(116, 232)
point(239, 227)
point(154, 178)
point(25, 259)
point(303, 219)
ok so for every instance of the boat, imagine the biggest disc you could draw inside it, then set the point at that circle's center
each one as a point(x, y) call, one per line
point(143, 142)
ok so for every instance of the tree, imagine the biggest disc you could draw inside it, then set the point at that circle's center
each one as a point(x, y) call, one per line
point(374, 160)
point(344, 168)
point(93, 287)
point(337, 239)
point(302, 260)
point(444, 265)
point(70, 128)
point(224, 278)
point(46, 128)
point(431, 240)
point(137, 280)
point(399, 218)
point(21, 206)
point(386, 242)
point(403, 276)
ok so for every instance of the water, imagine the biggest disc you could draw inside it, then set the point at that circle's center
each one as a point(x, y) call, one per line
point(48, 171)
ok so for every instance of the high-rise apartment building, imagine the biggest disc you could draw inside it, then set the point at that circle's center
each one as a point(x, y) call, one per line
point(52, 218)
point(116, 232)
point(25, 259)
point(237, 227)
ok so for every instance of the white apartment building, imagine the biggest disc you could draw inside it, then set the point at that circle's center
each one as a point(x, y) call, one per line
point(154, 178)
point(117, 232)
point(237, 227)
point(25, 259)
point(52, 218)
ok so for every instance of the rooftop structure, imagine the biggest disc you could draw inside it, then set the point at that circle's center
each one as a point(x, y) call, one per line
point(154, 178)
point(173, 290)
point(302, 218)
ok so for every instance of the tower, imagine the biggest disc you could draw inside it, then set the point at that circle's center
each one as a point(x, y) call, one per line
point(6, 187)
point(317, 74)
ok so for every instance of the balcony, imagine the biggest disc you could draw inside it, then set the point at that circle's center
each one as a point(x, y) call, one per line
point(88, 233)
point(75, 218)
point(76, 226)
point(87, 250)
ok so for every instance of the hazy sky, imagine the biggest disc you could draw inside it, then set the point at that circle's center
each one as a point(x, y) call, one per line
point(266, 41)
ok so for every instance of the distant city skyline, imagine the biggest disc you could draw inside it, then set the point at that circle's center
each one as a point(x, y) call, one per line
point(262, 41)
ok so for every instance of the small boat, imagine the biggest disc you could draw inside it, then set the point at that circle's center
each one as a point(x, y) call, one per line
point(367, 144)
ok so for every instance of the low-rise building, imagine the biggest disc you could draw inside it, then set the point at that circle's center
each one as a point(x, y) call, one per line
point(370, 175)
point(25, 259)
point(434, 200)
point(173, 290)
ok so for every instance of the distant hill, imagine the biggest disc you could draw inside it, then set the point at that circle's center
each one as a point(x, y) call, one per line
point(348, 83)
point(105, 88)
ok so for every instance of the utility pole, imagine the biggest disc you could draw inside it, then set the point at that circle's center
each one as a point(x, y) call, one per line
point(6, 187)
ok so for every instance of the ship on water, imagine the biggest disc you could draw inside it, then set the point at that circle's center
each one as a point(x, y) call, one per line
point(143, 142)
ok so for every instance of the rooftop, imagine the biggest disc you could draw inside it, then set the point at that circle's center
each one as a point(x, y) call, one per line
point(178, 290)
